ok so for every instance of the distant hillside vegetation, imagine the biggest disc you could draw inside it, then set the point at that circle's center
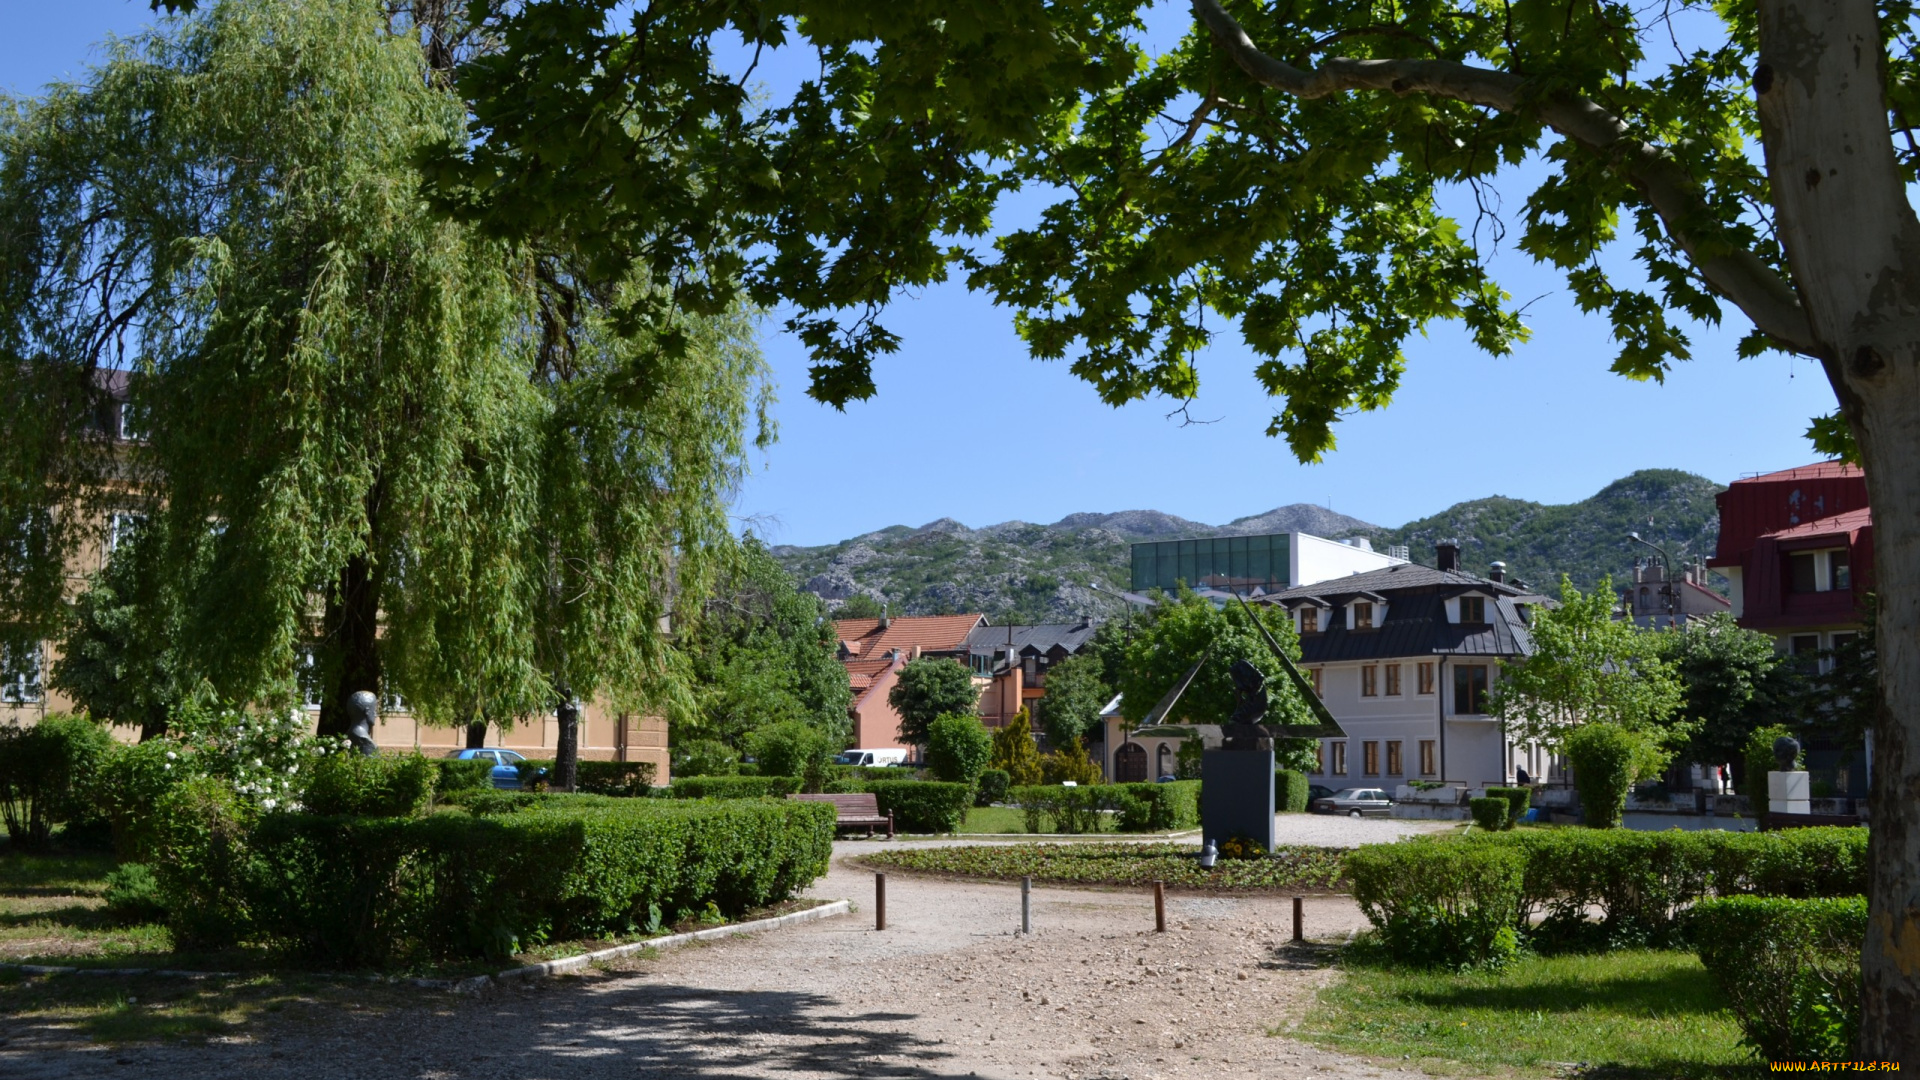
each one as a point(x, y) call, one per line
point(1021, 572)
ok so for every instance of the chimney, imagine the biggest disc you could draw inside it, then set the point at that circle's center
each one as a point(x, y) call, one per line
point(1497, 572)
point(916, 651)
point(885, 621)
point(1446, 554)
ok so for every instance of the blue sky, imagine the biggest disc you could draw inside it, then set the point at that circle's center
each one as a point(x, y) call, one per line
point(966, 426)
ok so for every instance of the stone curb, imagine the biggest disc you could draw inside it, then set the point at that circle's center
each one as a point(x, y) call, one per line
point(476, 983)
point(567, 964)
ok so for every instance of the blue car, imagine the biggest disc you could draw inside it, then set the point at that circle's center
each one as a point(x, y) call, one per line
point(505, 776)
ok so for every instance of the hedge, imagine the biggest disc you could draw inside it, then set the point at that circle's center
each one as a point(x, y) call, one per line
point(45, 772)
point(734, 787)
point(457, 774)
point(1290, 791)
point(1642, 883)
point(355, 784)
point(358, 891)
point(923, 806)
point(991, 787)
point(633, 779)
point(1445, 904)
point(1136, 807)
point(1489, 813)
point(1790, 970)
point(1519, 799)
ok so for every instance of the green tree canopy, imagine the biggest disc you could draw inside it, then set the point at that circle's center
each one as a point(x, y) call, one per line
point(1586, 668)
point(929, 688)
point(1077, 689)
point(358, 437)
point(1732, 681)
point(761, 652)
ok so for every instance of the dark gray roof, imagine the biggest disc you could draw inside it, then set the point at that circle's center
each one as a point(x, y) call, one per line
point(1416, 618)
point(1037, 639)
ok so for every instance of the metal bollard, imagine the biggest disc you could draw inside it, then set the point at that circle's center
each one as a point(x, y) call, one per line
point(1159, 907)
point(879, 901)
point(1299, 921)
point(1026, 905)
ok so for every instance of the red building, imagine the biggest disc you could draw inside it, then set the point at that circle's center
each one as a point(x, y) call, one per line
point(874, 650)
point(1797, 546)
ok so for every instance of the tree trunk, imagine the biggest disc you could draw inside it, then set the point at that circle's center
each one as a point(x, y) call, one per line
point(476, 734)
point(1849, 233)
point(566, 751)
point(353, 632)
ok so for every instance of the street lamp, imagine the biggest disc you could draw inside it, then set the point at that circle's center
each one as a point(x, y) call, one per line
point(1666, 571)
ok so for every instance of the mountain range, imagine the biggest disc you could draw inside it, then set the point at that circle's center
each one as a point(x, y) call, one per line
point(1018, 571)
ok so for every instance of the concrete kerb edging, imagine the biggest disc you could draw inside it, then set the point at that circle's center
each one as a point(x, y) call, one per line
point(583, 961)
point(477, 983)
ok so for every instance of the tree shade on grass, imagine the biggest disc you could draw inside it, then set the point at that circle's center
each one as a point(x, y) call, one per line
point(1642, 1013)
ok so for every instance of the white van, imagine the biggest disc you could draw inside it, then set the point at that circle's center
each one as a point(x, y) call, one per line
point(895, 756)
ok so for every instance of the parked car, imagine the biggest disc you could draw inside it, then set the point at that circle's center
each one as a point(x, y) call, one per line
point(892, 756)
point(1167, 778)
point(1318, 791)
point(505, 776)
point(1355, 802)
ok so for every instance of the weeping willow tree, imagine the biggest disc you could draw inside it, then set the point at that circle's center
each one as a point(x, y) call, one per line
point(378, 447)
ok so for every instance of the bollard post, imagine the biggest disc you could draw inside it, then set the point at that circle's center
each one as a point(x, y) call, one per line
point(879, 901)
point(1299, 922)
point(1159, 907)
point(1026, 905)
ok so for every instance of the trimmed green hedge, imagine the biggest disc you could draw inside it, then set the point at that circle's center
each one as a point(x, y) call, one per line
point(1519, 800)
point(1489, 813)
point(1158, 807)
point(923, 806)
point(632, 779)
point(1790, 970)
point(734, 787)
point(454, 774)
point(1139, 807)
point(1442, 904)
point(1642, 883)
point(1289, 791)
point(356, 891)
point(355, 784)
point(991, 787)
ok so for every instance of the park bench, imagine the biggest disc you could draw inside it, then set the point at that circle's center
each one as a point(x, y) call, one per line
point(853, 811)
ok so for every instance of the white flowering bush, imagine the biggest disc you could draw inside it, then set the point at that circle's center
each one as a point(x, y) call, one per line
point(264, 757)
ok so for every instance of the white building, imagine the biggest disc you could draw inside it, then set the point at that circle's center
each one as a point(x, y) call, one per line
point(1405, 658)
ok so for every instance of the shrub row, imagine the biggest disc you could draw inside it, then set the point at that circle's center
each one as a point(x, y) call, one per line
point(733, 787)
point(1290, 791)
point(633, 779)
point(1135, 807)
point(357, 891)
point(1641, 883)
point(921, 806)
point(1790, 970)
point(1442, 904)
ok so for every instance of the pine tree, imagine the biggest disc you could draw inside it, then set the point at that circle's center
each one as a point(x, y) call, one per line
point(1014, 751)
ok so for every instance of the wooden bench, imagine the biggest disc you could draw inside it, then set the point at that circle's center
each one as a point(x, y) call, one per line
point(853, 811)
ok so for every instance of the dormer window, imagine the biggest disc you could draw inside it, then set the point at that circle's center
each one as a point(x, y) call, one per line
point(1309, 620)
point(1473, 609)
point(1363, 614)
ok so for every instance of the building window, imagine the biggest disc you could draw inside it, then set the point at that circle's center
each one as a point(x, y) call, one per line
point(1805, 650)
point(1393, 680)
point(1363, 615)
point(1309, 620)
point(1370, 758)
point(1802, 573)
point(1426, 677)
point(1469, 689)
point(1473, 609)
point(19, 674)
point(1369, 680)
point(1426, 758)
point(1319, 684)
point(1339, 759)
point(1393, 758)
point(1840, 570)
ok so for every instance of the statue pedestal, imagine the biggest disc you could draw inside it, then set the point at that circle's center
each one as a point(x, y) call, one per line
point(1236, 795)
point(1788, 792)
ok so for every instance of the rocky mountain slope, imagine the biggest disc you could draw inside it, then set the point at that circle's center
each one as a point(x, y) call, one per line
point(1023, 572)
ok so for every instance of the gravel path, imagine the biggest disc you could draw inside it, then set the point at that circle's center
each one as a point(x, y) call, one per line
point(1318, 830)
point(948, 990)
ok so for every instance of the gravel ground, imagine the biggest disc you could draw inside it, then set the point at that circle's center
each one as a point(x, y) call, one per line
point(1320, 830)
point(949, 989)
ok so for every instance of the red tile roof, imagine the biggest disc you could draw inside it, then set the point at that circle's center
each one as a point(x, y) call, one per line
point(1850, 522)
point(1824, 470)
point(866, 638)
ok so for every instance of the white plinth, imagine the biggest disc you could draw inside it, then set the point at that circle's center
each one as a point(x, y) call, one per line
point(1788, 792)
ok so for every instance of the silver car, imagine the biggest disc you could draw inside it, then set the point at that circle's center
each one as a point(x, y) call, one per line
point(1355, 802)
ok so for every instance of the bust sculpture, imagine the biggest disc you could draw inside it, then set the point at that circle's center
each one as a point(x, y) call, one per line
point(1786, 752)
point(363, 712)
point(1244, 730)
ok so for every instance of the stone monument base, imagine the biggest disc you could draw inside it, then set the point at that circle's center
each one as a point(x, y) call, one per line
point(1789, 792)
point(1236, 795)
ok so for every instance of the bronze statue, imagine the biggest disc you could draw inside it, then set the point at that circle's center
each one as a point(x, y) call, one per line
point(364, 710)
point(1245, 729)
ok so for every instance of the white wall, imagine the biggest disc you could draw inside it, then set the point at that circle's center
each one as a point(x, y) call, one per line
point(1474, 753)
point(1313, 559)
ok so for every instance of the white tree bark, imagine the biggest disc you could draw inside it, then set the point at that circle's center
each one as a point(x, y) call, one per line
point(1849, 233)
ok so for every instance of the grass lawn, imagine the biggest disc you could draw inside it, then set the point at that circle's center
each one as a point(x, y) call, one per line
point(1629, 1014)
point(1111, 863)
point(995, 819)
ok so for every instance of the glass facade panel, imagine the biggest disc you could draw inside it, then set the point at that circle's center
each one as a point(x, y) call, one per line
point(1234, 563)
